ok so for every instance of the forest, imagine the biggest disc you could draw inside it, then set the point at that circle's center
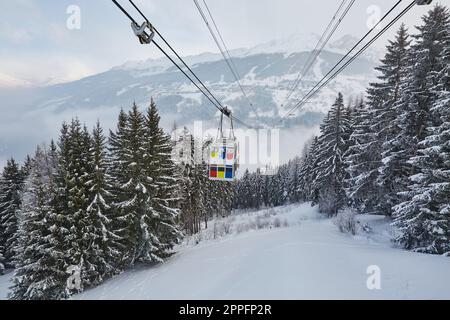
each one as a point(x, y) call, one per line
point(386, 152)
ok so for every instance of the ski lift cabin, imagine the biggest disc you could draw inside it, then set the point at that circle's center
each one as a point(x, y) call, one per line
point(223, 160)
point(223, 156)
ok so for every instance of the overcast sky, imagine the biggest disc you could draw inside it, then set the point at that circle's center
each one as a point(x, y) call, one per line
point(37, 47)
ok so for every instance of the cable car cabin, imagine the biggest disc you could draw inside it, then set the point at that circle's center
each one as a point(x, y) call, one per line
point(223, 159)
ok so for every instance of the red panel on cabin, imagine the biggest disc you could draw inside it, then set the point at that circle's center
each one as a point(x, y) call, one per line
point(213, 172)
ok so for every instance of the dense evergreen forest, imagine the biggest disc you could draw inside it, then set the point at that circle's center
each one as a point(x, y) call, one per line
point(98, 205)
point(386, 153)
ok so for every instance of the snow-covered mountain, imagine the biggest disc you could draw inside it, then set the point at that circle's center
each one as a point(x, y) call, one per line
point(7, 81)
point(268, 71)
point(33, 115)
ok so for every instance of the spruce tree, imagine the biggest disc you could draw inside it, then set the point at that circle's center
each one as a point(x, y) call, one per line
point(265, 192)
point(117, 168)
point(257, 182)
point(2, 258)
point(275, 187)
point(283, 173)
point(132, 189)
point(26, 167)
point(413, 108)
point(61, 217)
point(10, 199)
point(198, 195)
point(424, 218)
point(245, 191)
point(332, 145)
point(162, 185)
point(362, 160)
point(40, 268)
point(379, 129)
point(2, 261)
point(307, 172)
point(193, 183)
point(293, 185)
point(104, 247)
point(79, 238)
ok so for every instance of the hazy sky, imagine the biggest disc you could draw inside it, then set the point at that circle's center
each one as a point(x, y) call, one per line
point(37, 47)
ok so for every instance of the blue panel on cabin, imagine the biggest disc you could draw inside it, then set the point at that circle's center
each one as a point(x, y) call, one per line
point(229, 173)
point(224, 153)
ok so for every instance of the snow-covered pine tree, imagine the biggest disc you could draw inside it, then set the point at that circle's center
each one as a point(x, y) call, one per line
point(77, 168)
point(283, 187)
point(424, 218)
point(60, 203)
point(265, 195)
point(10, 189)
point(332, 144)
point(245, 191)
point(236, 190)
point(104, 246)
point(132, 188)
point(383, 98)
point(226, 192)
point(213, 199)
point(293, 185)
point(118, 171)
point(162, 184)
point(65, 185)
point(26, 167)
point(362, 162)
point(413, 108)
point(2, 261)
point(255, 190)
point(40, 267)
point(197, 206)
point(309, 163)
point(251, 191)
point(190, 204)
point(257, 186)
point(276, 189)
point(2, 247)
point(2, 258)
point(76, 230)
point(275, 186)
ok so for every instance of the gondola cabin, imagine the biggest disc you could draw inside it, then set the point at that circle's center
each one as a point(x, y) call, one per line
point(223, 160)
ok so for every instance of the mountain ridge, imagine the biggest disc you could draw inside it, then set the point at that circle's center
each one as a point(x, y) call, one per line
point(33, 115)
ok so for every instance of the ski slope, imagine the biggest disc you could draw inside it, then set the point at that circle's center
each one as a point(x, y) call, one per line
point(304, 257)
point(4, 284)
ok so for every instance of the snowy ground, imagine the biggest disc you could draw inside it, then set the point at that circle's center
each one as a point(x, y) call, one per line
point(287, 253)
point(4, 284)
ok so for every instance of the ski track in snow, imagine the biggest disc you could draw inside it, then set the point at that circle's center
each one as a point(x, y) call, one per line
point(308, 260)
